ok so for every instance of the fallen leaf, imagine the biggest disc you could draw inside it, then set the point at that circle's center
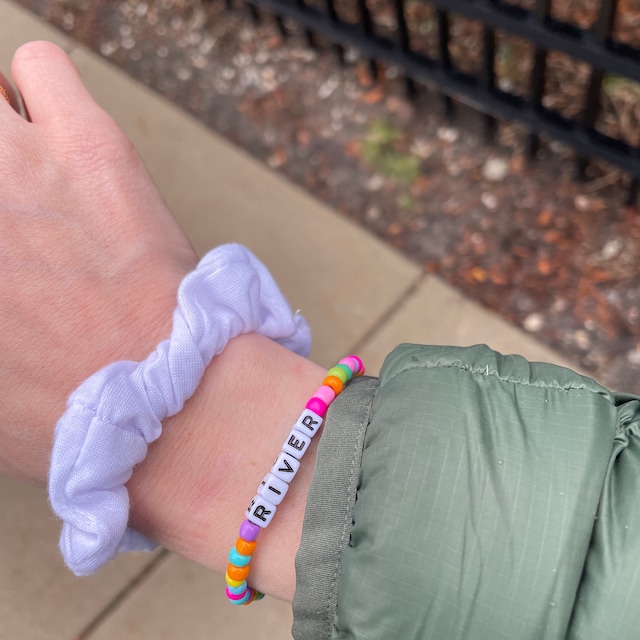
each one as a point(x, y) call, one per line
point(303, 138)
point(374, 96)
point(517, 163)
point(277, 158)
point(497, 276)
point(545, 217)
point(421, 185)
point(478, 274)
point(544, 266)
point(364, 75)
point(352, 148)
point(552, 236)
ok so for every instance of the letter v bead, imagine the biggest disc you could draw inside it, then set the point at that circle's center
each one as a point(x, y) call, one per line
point(285, 467)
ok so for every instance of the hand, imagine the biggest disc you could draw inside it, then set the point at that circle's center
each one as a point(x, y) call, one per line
point(90, 257)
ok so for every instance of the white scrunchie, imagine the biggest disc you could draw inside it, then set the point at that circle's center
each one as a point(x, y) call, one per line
point(113, 415)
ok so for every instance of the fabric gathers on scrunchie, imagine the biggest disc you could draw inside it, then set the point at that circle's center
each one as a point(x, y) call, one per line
point(114, 415)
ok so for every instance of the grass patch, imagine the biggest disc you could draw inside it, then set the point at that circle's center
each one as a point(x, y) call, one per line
point(380, 150)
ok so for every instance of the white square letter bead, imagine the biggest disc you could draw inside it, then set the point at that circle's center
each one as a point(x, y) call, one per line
point(273, 489)
point(260, 511)
point(296, 443)
point(285, 467)
point(308, 422)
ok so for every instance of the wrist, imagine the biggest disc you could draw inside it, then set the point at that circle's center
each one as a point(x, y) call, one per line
point(191, 491)
point(115, 414)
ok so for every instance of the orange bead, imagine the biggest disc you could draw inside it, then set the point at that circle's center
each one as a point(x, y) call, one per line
point(335, 383)
point(237, 573)
point(231, 582)
point(244, 547)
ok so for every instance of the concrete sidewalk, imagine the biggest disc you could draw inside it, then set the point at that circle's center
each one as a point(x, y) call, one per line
point(357, 293)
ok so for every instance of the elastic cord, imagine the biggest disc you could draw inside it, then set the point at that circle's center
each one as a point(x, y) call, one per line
point(113, 416)
point(275, 485)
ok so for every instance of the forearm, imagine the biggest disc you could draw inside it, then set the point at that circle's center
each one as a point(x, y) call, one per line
point(191, 491)
point(38, 374)
point(91, 261)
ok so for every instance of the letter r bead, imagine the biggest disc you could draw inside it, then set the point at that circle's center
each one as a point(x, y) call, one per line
point(260, 511)
point(308, 422)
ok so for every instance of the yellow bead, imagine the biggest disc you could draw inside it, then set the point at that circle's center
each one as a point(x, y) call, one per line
point(231, 582)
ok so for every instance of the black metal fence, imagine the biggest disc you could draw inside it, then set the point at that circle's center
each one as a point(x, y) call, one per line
point(355, 23)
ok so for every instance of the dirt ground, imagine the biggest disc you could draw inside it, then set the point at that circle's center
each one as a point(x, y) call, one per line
point(556, 256)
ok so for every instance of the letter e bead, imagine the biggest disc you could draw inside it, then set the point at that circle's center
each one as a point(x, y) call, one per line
point(296, 443)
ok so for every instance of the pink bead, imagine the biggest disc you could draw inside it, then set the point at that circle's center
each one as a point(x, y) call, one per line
point(317, 406)
point(351, 362)
point(326, 394)
point(249, 531)
point(360, 370)
point(233, 596)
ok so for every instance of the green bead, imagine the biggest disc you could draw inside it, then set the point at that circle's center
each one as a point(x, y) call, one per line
point(339, 372)
point(346, 369)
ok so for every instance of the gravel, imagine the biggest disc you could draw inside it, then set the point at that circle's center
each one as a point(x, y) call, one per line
point(558, 257)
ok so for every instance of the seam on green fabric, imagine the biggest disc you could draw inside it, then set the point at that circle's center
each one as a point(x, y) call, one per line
point(356, 464)
point(487, 372)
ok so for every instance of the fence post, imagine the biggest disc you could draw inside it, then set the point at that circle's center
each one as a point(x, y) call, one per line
point(600, 31)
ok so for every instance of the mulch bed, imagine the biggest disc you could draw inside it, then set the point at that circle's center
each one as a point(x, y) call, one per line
point(558, 257)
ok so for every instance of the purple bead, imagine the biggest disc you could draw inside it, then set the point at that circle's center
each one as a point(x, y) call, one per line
point(248, 531)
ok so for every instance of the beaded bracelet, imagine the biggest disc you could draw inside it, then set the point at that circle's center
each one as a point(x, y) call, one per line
point(275, 484)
